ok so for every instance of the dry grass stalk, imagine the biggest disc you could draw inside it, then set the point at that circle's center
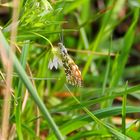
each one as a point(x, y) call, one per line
point(9, 70)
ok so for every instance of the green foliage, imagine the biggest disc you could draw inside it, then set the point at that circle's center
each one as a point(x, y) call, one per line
point(66, 111)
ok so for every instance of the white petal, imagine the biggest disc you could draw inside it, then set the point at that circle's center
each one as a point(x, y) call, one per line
point(55, 62)
point(50, 65)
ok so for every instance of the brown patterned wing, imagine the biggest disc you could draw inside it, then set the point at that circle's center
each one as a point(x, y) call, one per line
point(73, 74)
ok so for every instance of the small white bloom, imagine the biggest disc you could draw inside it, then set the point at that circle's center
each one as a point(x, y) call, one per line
point(50, 65)
point(54, 63)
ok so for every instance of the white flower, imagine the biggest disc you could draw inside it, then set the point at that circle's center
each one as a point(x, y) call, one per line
point(54, 63)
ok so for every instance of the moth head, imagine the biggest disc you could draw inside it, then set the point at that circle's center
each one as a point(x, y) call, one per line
point(62, 48)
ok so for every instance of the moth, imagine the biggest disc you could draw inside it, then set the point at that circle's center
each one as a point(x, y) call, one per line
point(73, 74)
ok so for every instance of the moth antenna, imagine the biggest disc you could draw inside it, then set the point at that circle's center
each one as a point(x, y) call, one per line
point(61, 37)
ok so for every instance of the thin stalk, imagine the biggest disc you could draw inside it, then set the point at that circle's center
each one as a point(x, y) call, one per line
point(124, 110)
point(9, 70)
point(107, 70)
point(19, 93)
point(91, 52)
point(106, 75)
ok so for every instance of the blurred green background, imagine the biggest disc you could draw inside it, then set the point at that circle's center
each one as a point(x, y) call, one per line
point(102, 38)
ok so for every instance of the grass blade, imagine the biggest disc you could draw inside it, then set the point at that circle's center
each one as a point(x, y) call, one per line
point(31, 89)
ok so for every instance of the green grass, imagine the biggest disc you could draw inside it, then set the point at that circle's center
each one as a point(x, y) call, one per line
point(53, 108)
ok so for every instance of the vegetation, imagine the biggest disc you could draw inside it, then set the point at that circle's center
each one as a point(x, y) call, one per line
point(44, 45)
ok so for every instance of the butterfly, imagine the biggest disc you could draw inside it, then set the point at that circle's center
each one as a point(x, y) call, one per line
point(73, 74)
point(61, 57)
